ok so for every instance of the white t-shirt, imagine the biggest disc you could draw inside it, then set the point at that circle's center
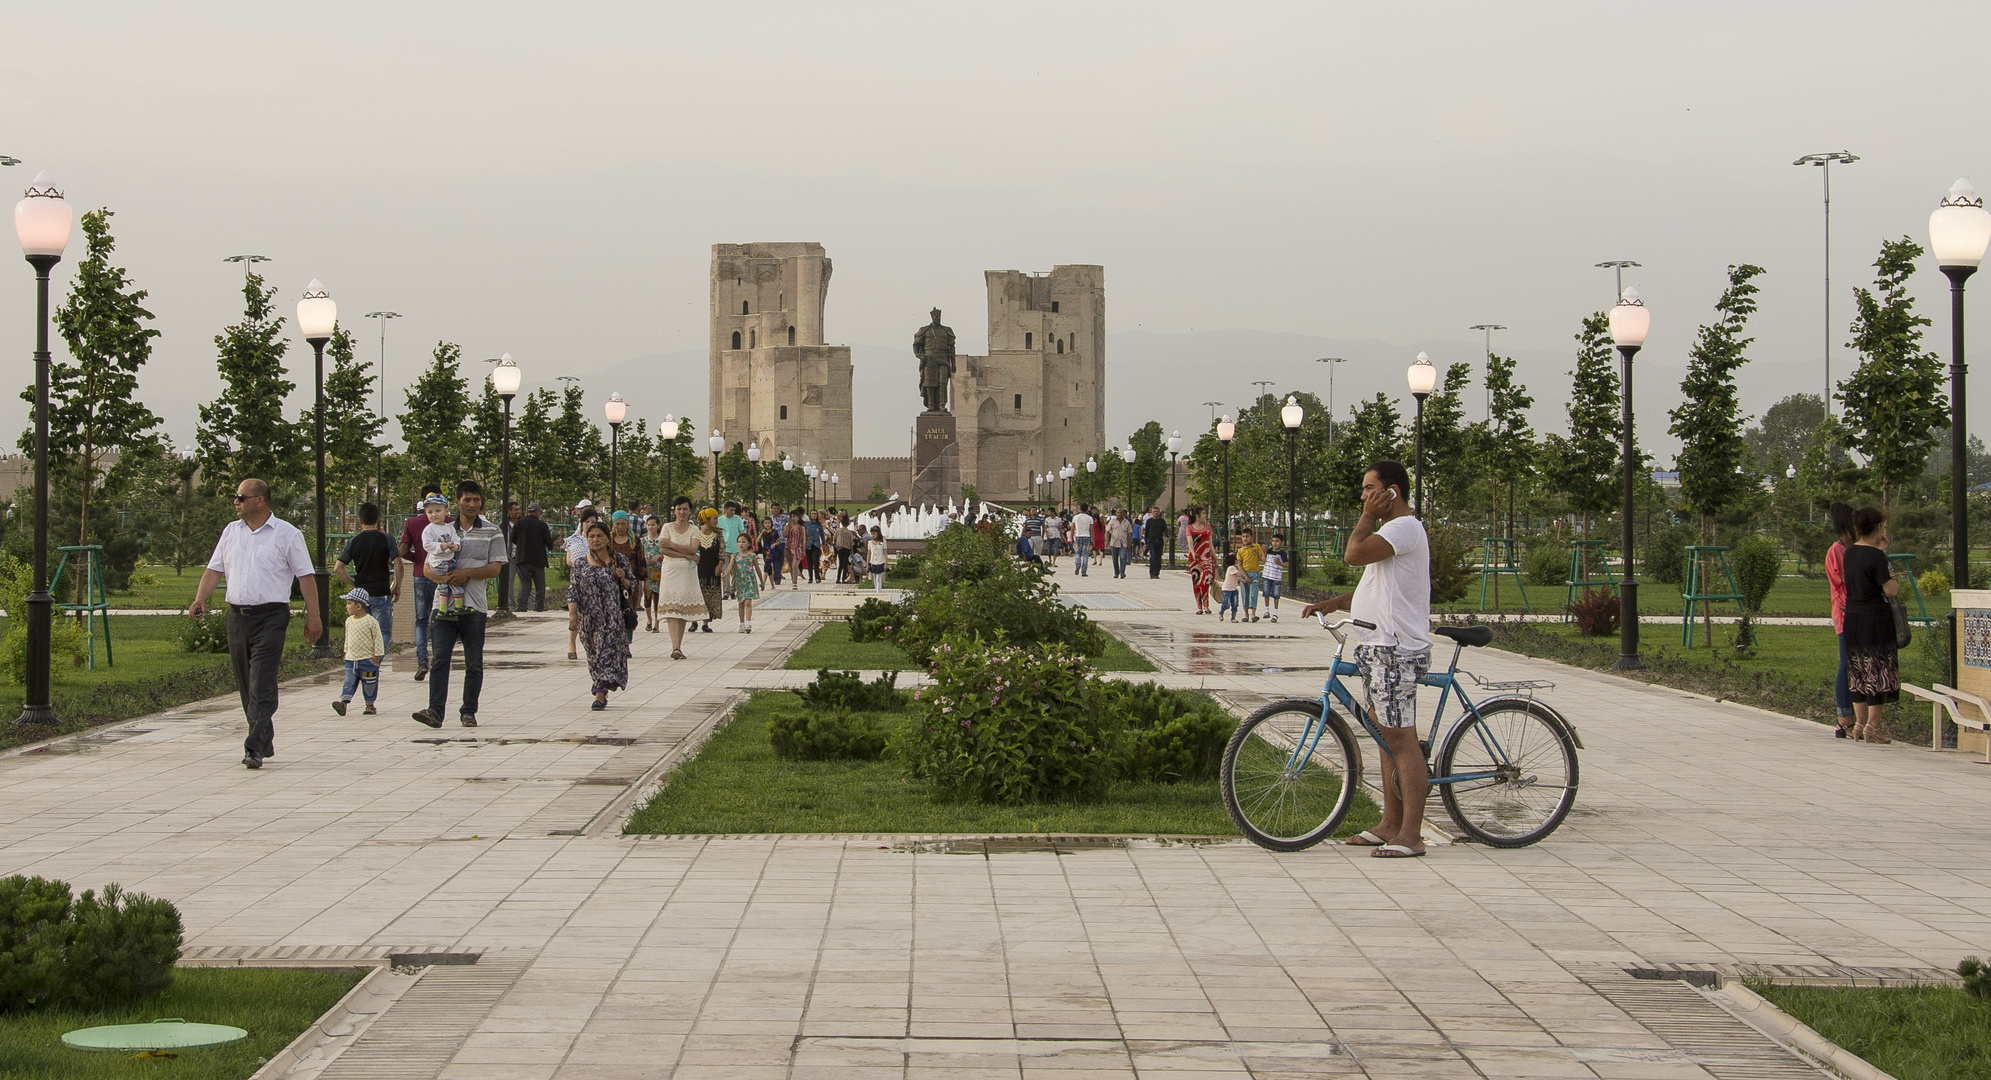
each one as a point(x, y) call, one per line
point(1275, 566)
point(1082, 527)
point(1395, 593)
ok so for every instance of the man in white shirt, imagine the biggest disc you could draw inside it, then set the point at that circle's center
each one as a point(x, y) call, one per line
point(261, 555)
point(1395, 596)
point(1082, 540)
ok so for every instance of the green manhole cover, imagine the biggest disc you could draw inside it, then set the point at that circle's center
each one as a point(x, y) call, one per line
point(169, 1034)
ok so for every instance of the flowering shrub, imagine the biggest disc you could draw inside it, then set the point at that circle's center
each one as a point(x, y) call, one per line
point(875, 620)
point(1008, 723)
point(970, 584)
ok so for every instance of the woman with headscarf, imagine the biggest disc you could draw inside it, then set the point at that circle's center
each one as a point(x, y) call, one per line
point(711, 564)
point(623, 541)
point(595, 589)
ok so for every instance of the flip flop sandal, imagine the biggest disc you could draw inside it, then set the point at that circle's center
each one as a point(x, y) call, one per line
point(1365, 838)
point(1395, 851)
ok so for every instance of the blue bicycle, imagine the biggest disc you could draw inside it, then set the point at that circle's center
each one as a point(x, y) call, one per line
point(1505, 768)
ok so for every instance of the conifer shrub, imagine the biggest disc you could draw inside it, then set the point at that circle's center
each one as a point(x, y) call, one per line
point(90, 951)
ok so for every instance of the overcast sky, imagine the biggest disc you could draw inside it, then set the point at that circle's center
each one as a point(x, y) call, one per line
point(548, 179)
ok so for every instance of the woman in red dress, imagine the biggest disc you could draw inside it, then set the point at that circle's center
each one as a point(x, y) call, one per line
point(1202, 560)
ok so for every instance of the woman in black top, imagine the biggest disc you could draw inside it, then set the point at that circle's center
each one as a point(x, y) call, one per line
point(1873, 674)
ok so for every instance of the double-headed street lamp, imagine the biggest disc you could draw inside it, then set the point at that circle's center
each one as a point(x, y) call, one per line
point(505, 380)
point(42, 220)
point(753, 476)
point(1629, 323)
point(1226, 431)
point(1423, 378)
point(317, 318)
point(1959, 231)
point(1291, 414)
point(716, 444)
point(614, 410)
point(1174, 450)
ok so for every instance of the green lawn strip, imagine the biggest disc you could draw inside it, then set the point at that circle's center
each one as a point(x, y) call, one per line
point(151, 674)
point(274, 1005)
point(1910, 1032)
point(174, 591)
point(1789, 671)
point(830, 647)
point(1791, 596)
point(736, 785)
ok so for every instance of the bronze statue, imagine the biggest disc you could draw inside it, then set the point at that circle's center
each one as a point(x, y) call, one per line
point(934, 345)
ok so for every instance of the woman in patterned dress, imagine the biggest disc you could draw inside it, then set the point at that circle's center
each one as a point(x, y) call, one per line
point(622, 540)
point(711, 564)
point(594, 611)
point(746, 575)
point(653, 564)
point(796, 539)
point(1202, 560)
point(1873, 673)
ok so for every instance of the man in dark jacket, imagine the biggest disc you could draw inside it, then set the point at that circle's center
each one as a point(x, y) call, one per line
point(531, 540)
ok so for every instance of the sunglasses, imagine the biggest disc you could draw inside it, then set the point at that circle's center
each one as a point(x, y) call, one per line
point(239, 497)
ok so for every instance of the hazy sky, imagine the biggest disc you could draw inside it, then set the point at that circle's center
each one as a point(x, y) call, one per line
point(548, 179)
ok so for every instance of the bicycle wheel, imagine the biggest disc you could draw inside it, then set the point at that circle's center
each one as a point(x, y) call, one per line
point(1289, 779)
point(1531, 758)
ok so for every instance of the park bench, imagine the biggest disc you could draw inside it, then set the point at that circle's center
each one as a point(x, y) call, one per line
point(1971, 715)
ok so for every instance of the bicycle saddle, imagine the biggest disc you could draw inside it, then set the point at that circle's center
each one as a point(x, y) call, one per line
point(1473, 636)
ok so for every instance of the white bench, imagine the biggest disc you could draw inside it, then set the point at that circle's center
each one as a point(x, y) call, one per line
point(1970, 713)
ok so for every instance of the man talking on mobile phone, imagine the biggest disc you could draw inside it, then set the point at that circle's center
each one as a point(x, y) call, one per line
point(1394, 596)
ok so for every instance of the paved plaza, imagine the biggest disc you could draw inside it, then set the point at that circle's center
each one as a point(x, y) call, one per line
point(1705, 835)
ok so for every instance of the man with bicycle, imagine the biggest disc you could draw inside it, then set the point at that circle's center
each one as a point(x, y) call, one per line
point(1394, 595)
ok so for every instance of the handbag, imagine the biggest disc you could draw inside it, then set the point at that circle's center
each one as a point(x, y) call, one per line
point(628, 612)
point(1900, 611)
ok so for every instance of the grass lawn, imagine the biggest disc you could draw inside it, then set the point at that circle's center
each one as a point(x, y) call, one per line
point(175, 590)
point(830, 647)
point(151, 674)
point(274, 1005)
point(737, 785)
point(1910, 1032)
point(1790, 670)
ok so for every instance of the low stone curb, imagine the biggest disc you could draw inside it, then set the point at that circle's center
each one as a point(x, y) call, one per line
point(1753, 1010)
point(316, 1046)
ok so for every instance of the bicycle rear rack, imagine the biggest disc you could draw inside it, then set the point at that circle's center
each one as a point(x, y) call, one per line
point(1510, 685)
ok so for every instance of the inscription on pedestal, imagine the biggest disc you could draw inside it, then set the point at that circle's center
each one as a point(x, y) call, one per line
point(936, 460)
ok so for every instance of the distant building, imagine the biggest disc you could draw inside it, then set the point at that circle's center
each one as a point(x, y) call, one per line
point(773, 379)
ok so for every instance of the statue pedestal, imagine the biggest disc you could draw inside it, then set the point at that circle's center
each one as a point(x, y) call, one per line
point(936, 460)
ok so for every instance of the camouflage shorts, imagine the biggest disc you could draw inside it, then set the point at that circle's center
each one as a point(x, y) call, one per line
point(1391, 675)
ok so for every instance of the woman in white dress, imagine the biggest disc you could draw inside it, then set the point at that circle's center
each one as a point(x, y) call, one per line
point(679, 595)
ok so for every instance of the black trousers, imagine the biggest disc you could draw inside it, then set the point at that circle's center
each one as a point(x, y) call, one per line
point(255, 650)
point(1154, 560)
point(529, 580)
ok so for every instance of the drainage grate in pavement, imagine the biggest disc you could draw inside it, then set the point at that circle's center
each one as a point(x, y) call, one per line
point(1713, 1038)
point(1055, 845)
point(323, 955)
point(419, 1034)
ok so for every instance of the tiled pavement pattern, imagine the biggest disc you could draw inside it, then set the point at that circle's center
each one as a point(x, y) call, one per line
point(1705, 834)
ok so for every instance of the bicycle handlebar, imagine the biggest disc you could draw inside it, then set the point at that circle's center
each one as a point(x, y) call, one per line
point(1324, 625)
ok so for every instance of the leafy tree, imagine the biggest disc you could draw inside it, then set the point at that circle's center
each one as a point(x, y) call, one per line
point(533, 445)
point(1504, 443)
point(1448, 461)
point(1709, 422)
point(435, 421)
point(1375, 433)
point(1586, 466)
point(1895, 408)
point(580, 465)
point(243, 432)
point(1785, 433)
point(96, 422)
point(487, 435)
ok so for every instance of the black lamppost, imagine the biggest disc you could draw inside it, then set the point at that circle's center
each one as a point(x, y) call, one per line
point(1226, 431)
point(787, 466)
point(1629, 323)
point(1959, 231)
point(42, 220)
point(753, 477)
point(317, 317)
point(1291, 414)
point(716, 444)
point(1423, 378)
point(615, 410)
point(1174, 451)
point(809, 470)
point(834, 481)
point(1128, 456)
point(1091, 468)
point(505, 380)
point(667, 431)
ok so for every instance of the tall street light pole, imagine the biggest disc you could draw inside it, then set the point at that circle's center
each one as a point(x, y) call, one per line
point(667, 431)
point(1292, 414)
point(248, 263)
point(1824, 164)
point(1959, 231)
point(1226, 431)
point(1128, 456)
point(1174, 452)
point(1423, 378)
point(1617, 265)
point(753, 476)
point(1332, 362)
point(614, 410)
point(1489, 328)
point(505, 380)
point(1214, 406)
point(379, 475)
point(1629, 323)
point(317, 318)
point(42, 220)
point(716, 444)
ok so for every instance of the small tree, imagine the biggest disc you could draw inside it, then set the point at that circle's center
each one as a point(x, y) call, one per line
point(1585, 466)
point(351, 425)
point(1895, 409)
point(1448, 461)
point(435, 420)
point(1505, 443)
point(244, 432)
